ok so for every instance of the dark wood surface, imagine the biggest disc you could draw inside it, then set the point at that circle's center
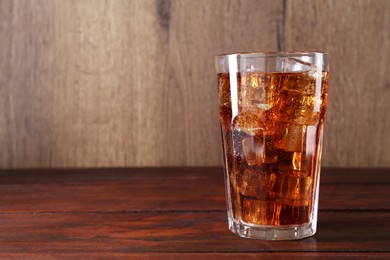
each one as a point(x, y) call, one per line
point(176, 213)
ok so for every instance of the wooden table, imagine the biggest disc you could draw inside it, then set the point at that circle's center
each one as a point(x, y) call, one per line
point(176, 213)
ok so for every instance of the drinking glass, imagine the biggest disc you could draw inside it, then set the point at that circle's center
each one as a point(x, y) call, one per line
point(272, 110)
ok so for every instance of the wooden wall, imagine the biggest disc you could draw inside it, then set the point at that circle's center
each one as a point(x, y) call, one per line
point(132, 82)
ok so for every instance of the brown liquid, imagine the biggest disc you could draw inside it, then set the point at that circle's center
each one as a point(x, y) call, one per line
point(272, 144)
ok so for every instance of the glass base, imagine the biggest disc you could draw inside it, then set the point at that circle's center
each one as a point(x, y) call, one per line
point(265, 232)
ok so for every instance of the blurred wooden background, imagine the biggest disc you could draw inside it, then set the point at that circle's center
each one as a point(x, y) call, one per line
point(132, 83)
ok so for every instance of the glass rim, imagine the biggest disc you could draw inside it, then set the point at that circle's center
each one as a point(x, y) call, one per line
point(271, 54)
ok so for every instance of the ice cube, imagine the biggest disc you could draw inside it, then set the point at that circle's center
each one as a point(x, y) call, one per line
point(248, 123)
point(259, 149)
point(256, 184)
point(302, 77)
point(293, 191)
point(258, 212)
point(298, 108)
point(238, 160)
point(269, 119)
point(249, 183)
point(295, 65)
point(302, 83)
point(250, 67)
point(253, 150)
point(290, 137)
point(295, 163)
point(258, 90)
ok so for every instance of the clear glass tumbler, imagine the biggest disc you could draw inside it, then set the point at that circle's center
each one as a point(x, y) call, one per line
point(272, 111)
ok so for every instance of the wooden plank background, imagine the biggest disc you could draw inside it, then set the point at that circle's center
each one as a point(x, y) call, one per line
point(131, 83)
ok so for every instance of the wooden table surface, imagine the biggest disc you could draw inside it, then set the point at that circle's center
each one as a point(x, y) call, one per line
point(176, 213)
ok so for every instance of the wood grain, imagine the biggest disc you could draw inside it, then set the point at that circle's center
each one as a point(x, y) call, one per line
point(180, 233)
point(207, 256)
point(6, 107)
point(119, 83)
point(357, 36)
point(131, 83)
point(183, 189)
point(174, 213)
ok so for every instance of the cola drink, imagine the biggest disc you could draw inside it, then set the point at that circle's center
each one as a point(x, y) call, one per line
point(271, 128)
